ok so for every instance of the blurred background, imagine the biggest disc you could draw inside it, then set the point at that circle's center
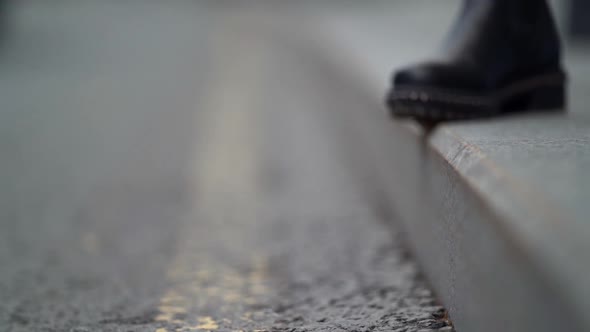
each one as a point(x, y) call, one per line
point(92, 89)
point(122, 122)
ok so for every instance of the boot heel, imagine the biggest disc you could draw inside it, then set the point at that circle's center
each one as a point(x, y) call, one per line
point(548, 98)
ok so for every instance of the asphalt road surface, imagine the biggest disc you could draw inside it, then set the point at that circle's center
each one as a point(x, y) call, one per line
point(174, 166)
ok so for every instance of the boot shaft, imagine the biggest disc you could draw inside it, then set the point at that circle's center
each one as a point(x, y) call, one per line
point(522, 30)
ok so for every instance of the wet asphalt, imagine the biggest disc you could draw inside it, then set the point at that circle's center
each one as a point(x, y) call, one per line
point(178, 166)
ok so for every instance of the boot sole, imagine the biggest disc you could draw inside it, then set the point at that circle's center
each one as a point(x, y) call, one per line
point(541, 93)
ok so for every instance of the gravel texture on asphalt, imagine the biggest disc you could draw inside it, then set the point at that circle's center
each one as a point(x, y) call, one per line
point(217, 194)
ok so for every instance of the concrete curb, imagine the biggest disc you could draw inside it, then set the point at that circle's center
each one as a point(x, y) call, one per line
point(486, 239)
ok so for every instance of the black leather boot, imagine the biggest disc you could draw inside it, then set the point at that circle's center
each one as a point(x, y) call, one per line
point(502, 56)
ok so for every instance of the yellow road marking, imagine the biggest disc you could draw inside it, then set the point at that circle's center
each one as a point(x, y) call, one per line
point(207, 323)
point(225, 170)
point(90, 243)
